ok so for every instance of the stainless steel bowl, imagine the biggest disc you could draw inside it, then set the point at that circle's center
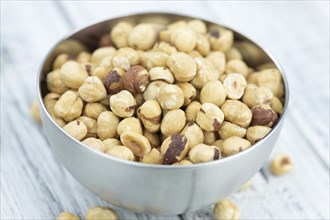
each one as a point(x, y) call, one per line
point(156, 189)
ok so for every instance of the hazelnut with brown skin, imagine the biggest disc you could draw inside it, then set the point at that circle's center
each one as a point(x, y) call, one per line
point(204, 153)
point(136, 79)
point(263, 115)
point(113, 82)
point(174, 148)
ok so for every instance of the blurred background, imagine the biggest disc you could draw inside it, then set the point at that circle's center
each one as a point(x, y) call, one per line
point(35, 186)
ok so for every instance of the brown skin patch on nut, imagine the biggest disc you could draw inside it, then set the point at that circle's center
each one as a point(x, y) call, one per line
point(202, 110)
point(78, 122)
point(130, 108)
point(105, 41)
point(215, 34)
point(216, 124)
point(175, 148)
point(262, 116)
point(112, 82)
point(88, 68)
point(285, 161)
point(154, 120)
point(216, 154)
point(136, 79)
point(190, 123)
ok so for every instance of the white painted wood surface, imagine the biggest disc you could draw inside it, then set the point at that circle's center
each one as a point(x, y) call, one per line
point(35, 186)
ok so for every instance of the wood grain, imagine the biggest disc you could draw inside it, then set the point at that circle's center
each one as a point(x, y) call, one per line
point(35, 186)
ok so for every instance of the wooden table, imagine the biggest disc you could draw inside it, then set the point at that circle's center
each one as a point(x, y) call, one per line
point(34, 185)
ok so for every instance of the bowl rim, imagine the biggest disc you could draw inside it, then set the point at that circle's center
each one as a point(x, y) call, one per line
point(163, 166)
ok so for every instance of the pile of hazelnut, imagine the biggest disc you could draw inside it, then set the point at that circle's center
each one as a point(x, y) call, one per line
point(165, 94)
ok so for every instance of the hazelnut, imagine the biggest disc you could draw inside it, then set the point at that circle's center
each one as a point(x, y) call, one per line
point(174, 148)
point(182, 66)
point(105, 41)
point(165, 34)
point(121, 152)
point(218, 144)
point(197, 25)
point(173, 122)
point(153, 138)
point(272, 79)
point(136, 79)
point(120, 33)
point(139, 99)
point(54, 82)
point(152, 59)
point(125, 57)
point(206, 72)
point(184, 39)
point(129, 124)
point(77, 129)
point(150, 115)
point(92, 89)
point(218, 59)
point(72, 74)
point(161, 73)
point(95, 144)
point(113, 81)
point(234, 145)
point(99, 54)
point(189, 92)
point(183, 162)
point(67, 216)
point(111, 142)
point(123, 104)
point(165, 48)
point(100, 71)
point(202, 44)
point(192, 110)
point(106, 125)
point(50, 101)
point(194, 54)
point(170, 97)
point(34, 111)
point(142, 37)
point(93, 110)
point(210, 137)
point(281, 164)
point(194, 134)
point(137, 143)
point(228, 129)
point(255, 95)
point(90, 124)
point(226, 209)
point(84, 57)
point(204, 153)
point(237, 112)
point(221, 39)
point(213, 92)
point(101, 212)
point(152, 91)
point(256, 133)
point(233, 54)
point(263, 115)
point(69, 106)
point(235, 85)
point(237, 66)
point(60, 60)
point(209, 117)
point(153, 157)
point(276, 105)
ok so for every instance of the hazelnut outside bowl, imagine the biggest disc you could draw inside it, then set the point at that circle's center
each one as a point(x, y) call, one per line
point(155, 189)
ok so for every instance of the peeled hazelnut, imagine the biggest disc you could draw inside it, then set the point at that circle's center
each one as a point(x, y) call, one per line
point(121, 152)
point(165, 48)
point(209, 117)
point(182, 66)
point(99, 54)
point(233, 54)
point(123, 104)
point(170, 97)
point(138, 144)
point(174, 148)
point(192, 110)
point(100, 71)
point(101, 212)
point(153, 157)
point(120, 32)
point(202, 44)
point(237, 112)
point(107, 123)
point(60, 60)
point(93, 110)
point(69, 106)
point(206, 72)
point(166, 33)
point(77, 129)
point(72, 74)
point(218, 144)
point(184, 39)
point(234, 145)
point(111, 142)
point(54, 82)
point(218, 60)
point(221, 39)
point(213, 92)
point(255, 95)
point(125, 57)
point(197, 25)
point(229, 129)
point(272, 79)
point(67, 216)
point(153, 138)
point(34, 111)
point(105, 41)
point(204, 153)
point(95, 144)
point(276, 105)
point(263, 115)
point(152, 91)
point(136, 79)
point(84, 57)
point(173, 122)
point(194, 134)
point(90, 124)
point(189, 92)
point(50, 101)
point(183, 162)
point(150, 115)
point(235, 85)
point(113, 81)
point(142, 37)
point(151, 59)
point(256, 133)
point(161, 73)
point(226, 209)
point(195, 53)
point(129, 124)
point(210, 137)
point(281, 164)
point(92, 89)
point(237, 66)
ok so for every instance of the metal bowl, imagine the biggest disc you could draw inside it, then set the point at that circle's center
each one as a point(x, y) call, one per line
point(144, 188)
